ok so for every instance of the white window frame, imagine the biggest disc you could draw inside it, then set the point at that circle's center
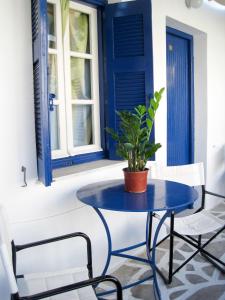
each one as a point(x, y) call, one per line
point(60, 101)
point(93, 56)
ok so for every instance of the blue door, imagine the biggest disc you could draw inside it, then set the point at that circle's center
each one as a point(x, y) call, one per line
point(179, 98)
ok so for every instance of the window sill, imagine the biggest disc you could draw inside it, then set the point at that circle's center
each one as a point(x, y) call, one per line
point(67, 172)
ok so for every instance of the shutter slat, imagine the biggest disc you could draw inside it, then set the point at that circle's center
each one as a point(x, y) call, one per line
point(40, 54)
point(129, 58)
point(128, 36)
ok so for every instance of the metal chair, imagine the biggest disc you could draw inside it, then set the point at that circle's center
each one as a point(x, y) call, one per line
point(187, 228)
point(65, 285)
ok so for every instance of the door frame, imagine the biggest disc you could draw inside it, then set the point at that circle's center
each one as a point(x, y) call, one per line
point(179, 33)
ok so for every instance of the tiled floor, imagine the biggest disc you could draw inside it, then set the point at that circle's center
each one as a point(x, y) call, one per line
point(198, 280)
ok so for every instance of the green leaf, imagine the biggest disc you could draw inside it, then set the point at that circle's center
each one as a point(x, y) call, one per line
point(137, 111)
point(152, 150)
point(142, 109)
point(157, 95)
point(161, 91)
point(153, 104)
point(128, 146)
point(151, 113)
point(149, 123)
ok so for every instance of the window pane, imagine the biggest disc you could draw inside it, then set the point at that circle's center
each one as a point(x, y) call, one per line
point(51, 26)
point(52, 76)
point(79, 32)
point(80, 78)
point(54, 124)
point(82, 125)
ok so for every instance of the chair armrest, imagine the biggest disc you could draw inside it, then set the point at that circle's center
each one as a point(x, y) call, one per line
point(78, 285)
point(214, 194)
point(60, 238)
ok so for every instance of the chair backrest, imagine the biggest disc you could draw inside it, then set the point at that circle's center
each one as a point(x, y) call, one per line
point(192, 174)
point(6, 250)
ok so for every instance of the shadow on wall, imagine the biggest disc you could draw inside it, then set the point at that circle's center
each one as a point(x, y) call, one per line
point(220, 167)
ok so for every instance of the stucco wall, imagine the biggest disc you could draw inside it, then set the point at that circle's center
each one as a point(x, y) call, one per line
point(208, 23)
point(55, 210)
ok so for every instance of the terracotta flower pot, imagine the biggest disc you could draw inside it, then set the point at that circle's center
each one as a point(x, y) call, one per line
point(135, 182)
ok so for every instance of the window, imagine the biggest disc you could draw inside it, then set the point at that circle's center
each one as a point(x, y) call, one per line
point(73, 80)
point(71, 90)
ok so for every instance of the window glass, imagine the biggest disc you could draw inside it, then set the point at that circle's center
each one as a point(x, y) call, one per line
point(51, 26)
point(52, 75)
point(80, 78)
point(79, 32)
point(82, 125)
point(55, 140)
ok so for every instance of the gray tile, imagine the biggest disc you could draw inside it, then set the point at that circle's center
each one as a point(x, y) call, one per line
point(190, 267)
point(143, 292)
point(209, 270)
point(186, 248)
point(199, 258)
point(145, 274)
point(216, 248)
point(175, 283)
point(174, 295)
point(195, 279)
point(221, 276)
point(125, 273)
point(178, 256)
point(209, 293)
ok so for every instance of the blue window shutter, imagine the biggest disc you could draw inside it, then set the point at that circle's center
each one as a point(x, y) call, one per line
point(41, 104)
point(95, 2)
point(128, 31)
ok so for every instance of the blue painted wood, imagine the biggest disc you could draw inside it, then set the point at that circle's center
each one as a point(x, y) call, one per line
point(129, 61)
point(101, 78)
point(77, 159)
point(160, 195)
point(180, 99)
point(41, 104)
point(95, 3)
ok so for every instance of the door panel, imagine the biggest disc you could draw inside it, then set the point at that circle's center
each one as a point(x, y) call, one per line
point(179, 116)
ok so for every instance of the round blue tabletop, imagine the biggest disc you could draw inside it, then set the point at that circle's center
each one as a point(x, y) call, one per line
point(160, 195)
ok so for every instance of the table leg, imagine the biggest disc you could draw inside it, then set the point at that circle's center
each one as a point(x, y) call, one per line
point(109, 239)
point(152, 258)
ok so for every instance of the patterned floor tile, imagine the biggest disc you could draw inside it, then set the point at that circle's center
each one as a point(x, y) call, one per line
point(197, 280)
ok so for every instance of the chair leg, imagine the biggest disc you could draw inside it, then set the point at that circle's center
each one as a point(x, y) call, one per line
point(150, 230)
point(15, 296)
point(171, 249)
point(212, 261)
point(211, 258)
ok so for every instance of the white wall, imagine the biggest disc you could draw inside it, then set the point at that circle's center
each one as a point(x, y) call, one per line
point(208, 21)
point(44, 208)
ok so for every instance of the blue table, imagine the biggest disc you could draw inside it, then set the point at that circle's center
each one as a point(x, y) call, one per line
point(160, 196)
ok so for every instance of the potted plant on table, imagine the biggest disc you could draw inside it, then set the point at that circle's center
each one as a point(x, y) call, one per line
point(133, 142)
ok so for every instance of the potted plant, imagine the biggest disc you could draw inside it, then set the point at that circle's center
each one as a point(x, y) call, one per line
point(133, 142)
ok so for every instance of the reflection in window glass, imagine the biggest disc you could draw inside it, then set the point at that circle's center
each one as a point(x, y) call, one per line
point(79, 32)
point(52, 75)
point(51, 26)
point(80, 78)
point(82, 125)
point(54, 125)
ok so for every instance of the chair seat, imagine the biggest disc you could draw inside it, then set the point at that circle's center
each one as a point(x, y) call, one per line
point(196, 224)
point(41, 282)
